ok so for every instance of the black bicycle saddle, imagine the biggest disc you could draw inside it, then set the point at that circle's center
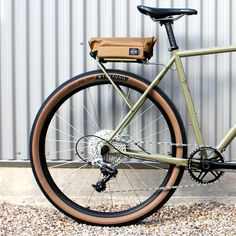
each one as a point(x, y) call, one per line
point(161, 13)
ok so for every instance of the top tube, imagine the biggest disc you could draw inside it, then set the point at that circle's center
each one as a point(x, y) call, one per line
point(206, 51)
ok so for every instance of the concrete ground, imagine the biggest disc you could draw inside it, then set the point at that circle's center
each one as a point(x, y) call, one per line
point(17, 185)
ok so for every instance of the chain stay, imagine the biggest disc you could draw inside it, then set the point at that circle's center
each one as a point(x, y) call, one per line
point(166, 188)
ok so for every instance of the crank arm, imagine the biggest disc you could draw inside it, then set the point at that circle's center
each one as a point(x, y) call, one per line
point(220, 166)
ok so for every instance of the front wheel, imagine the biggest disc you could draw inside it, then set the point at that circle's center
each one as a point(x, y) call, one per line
point(71, 130)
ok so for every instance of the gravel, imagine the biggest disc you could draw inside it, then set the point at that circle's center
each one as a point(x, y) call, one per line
point(201, 218)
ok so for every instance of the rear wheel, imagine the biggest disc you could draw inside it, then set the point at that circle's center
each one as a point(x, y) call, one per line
point(69, 135)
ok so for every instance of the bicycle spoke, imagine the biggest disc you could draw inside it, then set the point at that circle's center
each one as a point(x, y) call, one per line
point(117, 182)
point(155, 134)
point(68, 124)
point(140, 115)
point(124, 106)
point(65, 164)
point(154, 121)
point(69, 182)
point(141, 181)
point(110, 195)
point(154, 166)
point(61, 165)
point(48, 153)
point(130, 182)
point(77, 169)
point(85, 180)
point(94, 110)
point(62, 132)
point(61, 141)
point(91, 117)
point(92, 193)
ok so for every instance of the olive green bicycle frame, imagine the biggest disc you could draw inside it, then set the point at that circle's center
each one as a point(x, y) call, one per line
point(176, 59)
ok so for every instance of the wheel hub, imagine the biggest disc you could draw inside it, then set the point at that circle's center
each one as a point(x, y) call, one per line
point(97, 147)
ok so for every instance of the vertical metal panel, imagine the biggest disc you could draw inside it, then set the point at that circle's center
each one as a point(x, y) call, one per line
point(44, 42)
point(233, 73)
point(7, 80)
point(21, 79)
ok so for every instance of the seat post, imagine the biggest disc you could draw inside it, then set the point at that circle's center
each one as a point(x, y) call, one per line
point(171, 36)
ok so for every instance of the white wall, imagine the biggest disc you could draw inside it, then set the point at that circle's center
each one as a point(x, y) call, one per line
point(44, 42)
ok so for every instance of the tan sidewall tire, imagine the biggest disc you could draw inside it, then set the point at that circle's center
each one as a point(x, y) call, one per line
point(50, 193)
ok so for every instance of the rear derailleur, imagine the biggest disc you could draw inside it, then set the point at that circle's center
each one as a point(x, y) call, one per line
point(108, 171)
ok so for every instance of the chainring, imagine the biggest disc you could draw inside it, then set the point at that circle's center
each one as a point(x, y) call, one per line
point(199, 168)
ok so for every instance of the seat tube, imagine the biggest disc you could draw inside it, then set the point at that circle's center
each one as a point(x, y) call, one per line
point(188, 99)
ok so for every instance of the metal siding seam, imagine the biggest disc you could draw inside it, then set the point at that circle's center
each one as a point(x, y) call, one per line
point(84, 35)
point(21, 78)
point(233, 75)
point(57, 42)
point(230, 79)
point(223, 70)
point(13, 113)
point(7, 131)
point(35, 58)
point(28, 126)
point(71, 38)
point(1, 14)
point(42, 48)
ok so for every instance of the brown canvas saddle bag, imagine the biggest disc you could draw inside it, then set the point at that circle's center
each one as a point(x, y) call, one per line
point(113, 49)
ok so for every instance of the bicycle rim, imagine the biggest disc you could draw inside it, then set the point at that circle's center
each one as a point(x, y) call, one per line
point(88, 105)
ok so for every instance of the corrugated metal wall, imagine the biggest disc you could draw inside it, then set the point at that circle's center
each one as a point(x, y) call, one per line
point(44, 42)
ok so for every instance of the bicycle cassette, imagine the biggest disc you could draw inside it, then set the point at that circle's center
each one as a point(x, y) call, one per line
point(91, 148)
point(200, 165)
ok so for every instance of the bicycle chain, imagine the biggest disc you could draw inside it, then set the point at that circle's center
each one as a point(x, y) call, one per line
point(166, 188)
point(163, 188)
point(168, 143)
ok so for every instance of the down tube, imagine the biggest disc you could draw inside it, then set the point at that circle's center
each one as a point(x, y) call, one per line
point(188, 100)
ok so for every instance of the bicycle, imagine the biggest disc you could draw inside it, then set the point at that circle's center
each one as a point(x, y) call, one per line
point(120, 170)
